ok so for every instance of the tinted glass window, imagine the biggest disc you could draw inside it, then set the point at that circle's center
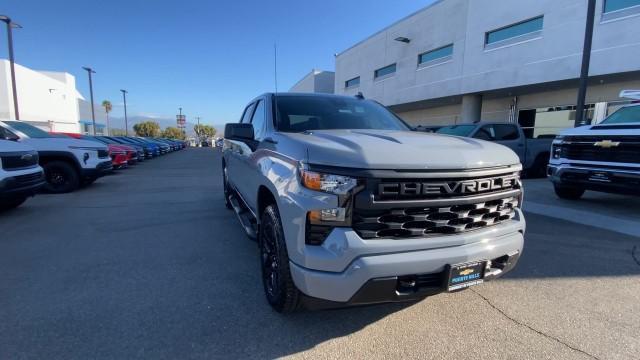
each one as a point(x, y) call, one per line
point(304, 113)
point(615, 5)
point(385, 71)
point(29, 130)
point(515, 30)
point(456, 130)
point(246, 117)
point(441, 53)
point(485, 133)
point(625, 115)
point(258, 121)
point(505, 132)
point(353, 82)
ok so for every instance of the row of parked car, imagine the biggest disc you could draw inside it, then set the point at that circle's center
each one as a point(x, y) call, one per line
point(32, 160)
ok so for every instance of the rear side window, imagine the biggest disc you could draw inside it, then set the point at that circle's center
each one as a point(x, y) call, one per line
point(258, 121)
point(505, 132)
point(246, 117)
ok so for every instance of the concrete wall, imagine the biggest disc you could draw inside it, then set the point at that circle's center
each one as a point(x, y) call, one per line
point(43, 97)
point(317, 81)
point(554, 55)
point(498, 109)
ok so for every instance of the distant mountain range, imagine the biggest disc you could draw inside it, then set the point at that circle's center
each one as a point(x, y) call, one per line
point(118, 123)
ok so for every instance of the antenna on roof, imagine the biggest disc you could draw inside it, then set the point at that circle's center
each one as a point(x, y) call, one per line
point(275, 65)
point(360, 96)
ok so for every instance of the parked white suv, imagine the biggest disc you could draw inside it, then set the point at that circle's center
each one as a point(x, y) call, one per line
point(67, 163)
point(20, 174)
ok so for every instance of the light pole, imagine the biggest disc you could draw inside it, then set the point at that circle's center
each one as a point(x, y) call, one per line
point(586, 60)
point(198, 132)
point(10, 26)
point(126, 120)
point(93, 111)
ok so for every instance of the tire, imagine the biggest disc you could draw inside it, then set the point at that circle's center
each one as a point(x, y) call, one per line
point(225, 187)
point(568, 193)
point(8, 204)
point(61, 177)
point(282, 294)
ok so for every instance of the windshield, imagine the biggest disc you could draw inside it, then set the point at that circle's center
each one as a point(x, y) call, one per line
point(629, 114)
point(457, 130)
point(29, 130)
point(304, 113)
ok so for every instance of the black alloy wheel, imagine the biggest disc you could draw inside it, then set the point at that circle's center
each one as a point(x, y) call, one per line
point(281, 292)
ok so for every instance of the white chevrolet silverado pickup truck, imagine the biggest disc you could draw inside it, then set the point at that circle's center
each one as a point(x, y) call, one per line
point(603, 157)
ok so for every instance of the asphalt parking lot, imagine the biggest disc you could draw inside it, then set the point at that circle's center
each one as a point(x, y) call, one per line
point(149, 264)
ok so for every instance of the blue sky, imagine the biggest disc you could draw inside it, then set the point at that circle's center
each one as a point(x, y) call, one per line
point(209, 57)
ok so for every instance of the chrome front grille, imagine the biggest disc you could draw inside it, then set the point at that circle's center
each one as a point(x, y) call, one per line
point(429, 221)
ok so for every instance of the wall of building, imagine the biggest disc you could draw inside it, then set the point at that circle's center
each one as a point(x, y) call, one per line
point(554, 55)
point(317, 81)
point(498, 109)
point(48, 99)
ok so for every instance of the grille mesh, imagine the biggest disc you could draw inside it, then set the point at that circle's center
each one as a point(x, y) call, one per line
point(420, 222)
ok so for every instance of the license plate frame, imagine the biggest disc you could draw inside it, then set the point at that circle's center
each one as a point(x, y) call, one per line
point(462, 276)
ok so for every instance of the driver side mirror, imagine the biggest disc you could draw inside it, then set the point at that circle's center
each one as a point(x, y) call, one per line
point(240, 132)
point(6, 135)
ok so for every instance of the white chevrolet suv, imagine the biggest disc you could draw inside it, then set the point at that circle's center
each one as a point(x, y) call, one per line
point(20, 174)
point(67, 163)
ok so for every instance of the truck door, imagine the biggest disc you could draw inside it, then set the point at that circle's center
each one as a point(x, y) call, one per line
point(236, 149)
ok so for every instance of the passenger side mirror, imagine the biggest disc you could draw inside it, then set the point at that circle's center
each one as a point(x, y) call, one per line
point(240, 132)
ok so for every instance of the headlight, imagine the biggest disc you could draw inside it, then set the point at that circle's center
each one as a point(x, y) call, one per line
point(335, 184)
point(556, 152)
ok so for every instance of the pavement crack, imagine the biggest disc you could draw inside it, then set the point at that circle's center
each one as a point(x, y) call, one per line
point(517, 322)
point(635, 255)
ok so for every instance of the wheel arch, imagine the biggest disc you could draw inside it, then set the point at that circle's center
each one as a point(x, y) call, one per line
point(49, 156)
point(265, 198)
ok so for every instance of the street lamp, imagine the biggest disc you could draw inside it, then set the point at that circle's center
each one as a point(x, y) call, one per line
point(126, 120)
point(93, 111)
point(10, 26)
point(586, 60)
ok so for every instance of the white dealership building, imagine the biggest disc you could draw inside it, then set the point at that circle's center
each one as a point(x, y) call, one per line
point(496, 60)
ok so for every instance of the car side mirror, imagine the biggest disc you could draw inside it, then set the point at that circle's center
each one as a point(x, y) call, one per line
point(240, 132)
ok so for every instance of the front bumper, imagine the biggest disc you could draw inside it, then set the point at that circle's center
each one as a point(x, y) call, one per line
point(374, 277)
point(610, 179)
point(22, 185)
point(101, 169)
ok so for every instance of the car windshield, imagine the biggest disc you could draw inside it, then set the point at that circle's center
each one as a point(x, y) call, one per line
point(457, 130)
point(29, 130)
point(629, 114)
point(105, 140)
point(304, 113)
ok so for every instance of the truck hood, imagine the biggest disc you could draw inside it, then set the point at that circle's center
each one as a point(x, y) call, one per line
point(14, 146)
point(604, 129)
point(390, 149)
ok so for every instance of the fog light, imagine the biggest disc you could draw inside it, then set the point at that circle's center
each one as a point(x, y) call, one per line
point(327, 215)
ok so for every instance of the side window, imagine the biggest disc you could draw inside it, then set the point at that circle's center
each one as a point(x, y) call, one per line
point(258, 121)
point(6, 134)
point(506, 132)
point(247, 113)
point(485, 133)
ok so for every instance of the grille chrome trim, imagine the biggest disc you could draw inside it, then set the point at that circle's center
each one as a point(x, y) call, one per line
point(389, 204)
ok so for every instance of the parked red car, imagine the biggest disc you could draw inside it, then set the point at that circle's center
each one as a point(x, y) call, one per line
point(121, 155)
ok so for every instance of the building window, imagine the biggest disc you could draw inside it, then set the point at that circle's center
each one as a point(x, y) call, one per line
point(352, 83)
point(515, 33)
point(616, 5)
point(616, 9)
point(385, 72)
point(436, 56)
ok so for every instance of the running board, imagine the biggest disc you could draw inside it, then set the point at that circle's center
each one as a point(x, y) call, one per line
point(245, 217)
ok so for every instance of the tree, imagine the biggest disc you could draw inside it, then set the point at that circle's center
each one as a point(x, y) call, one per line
point(173, 133)
point(106, 104)
point(206, 131)
point(147, 129)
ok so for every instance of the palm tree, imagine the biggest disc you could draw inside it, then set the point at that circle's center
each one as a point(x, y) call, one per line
point(107, 108)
